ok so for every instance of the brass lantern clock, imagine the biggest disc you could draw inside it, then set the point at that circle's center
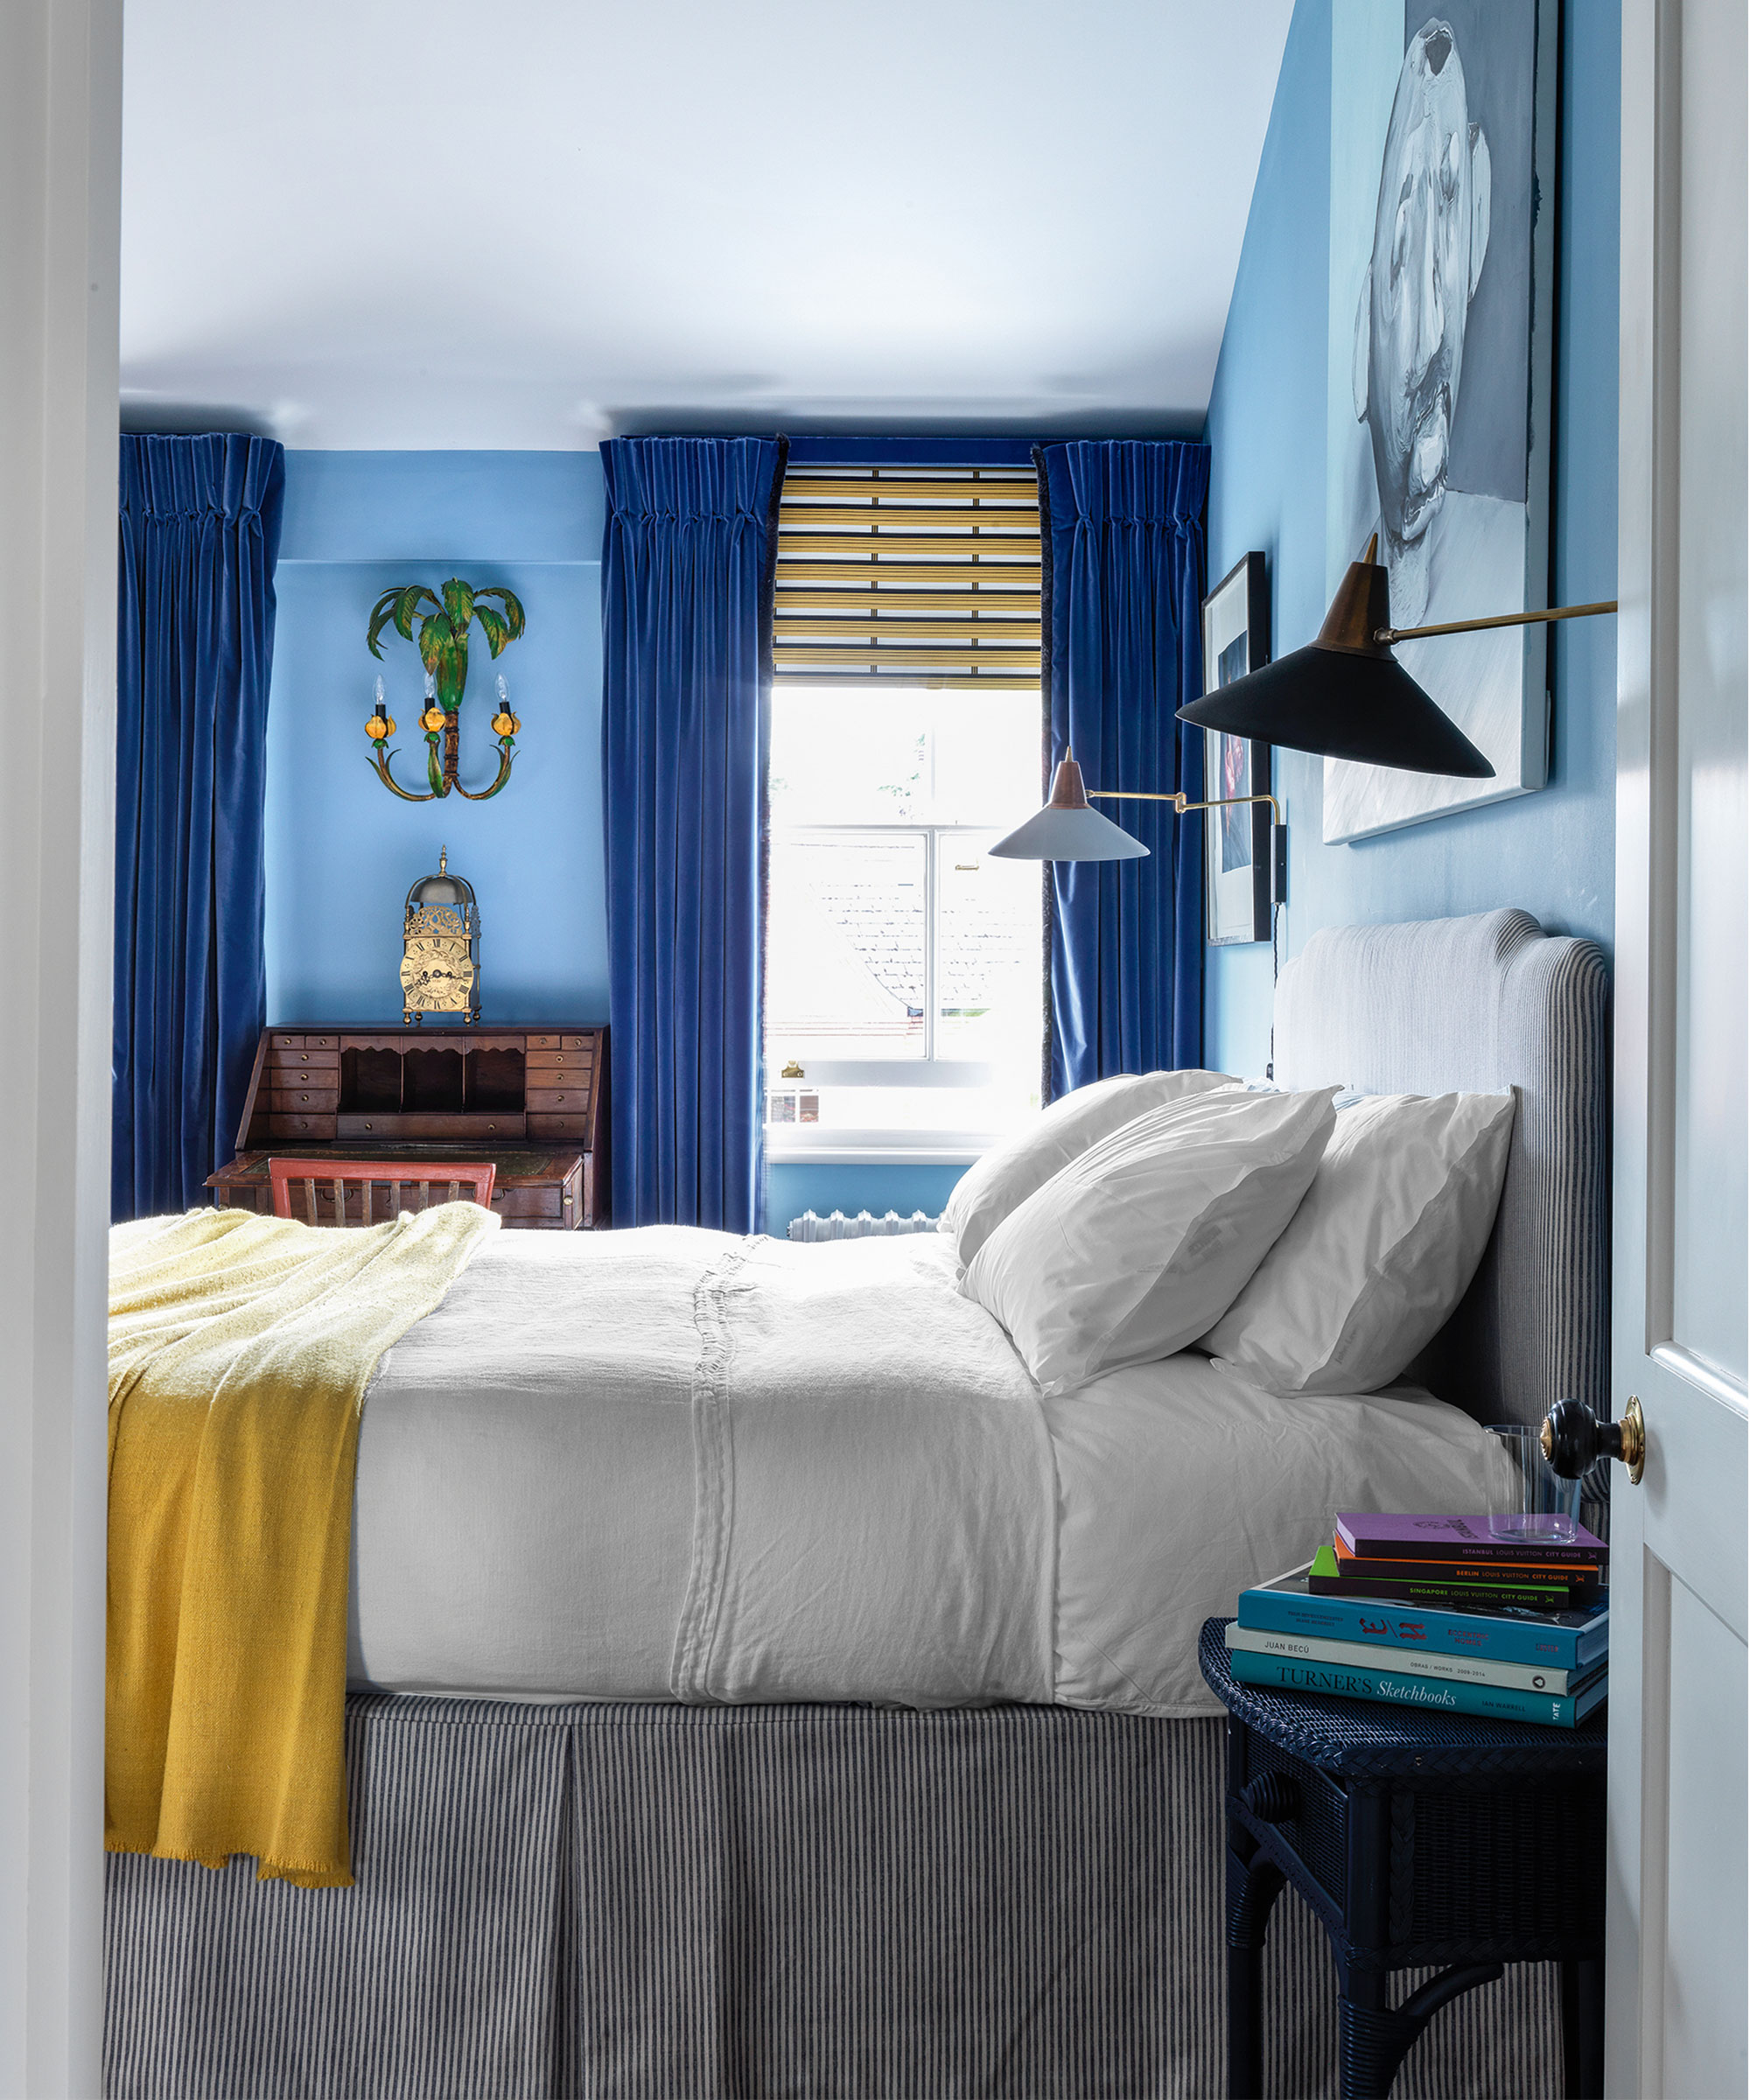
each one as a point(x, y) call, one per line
point(440, 948)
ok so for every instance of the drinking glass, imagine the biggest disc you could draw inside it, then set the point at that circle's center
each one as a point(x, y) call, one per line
point(1529, 1501)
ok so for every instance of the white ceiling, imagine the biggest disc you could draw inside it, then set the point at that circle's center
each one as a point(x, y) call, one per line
point(389, 223)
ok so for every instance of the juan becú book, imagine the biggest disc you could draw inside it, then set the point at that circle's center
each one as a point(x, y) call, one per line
point(1570, 1641)
point(1430, 1695)
point(1375, 1534)
point(1467, 1587)
point(1418, 1662)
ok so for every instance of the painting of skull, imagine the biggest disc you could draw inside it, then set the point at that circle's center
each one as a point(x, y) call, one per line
point(1438, 432)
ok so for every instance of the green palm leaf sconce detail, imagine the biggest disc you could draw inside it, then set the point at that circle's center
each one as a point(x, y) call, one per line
point(442, 644)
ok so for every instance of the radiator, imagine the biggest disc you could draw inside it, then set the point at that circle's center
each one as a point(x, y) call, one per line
point(861, 1226)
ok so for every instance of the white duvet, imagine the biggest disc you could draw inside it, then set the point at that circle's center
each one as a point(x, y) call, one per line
point(670, 1464)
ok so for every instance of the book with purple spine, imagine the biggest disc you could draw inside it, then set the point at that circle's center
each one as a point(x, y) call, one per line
point(1371, 1534)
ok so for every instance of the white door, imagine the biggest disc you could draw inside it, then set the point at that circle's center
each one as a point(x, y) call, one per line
point(1676, 1954)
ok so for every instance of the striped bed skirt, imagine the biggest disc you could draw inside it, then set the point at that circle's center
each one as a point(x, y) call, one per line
point(828, 1902)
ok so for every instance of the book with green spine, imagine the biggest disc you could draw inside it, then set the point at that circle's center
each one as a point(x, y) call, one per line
point(1443, 1593)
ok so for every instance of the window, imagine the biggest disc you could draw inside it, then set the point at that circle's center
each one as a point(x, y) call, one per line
point(904, 998)
point(931, 576)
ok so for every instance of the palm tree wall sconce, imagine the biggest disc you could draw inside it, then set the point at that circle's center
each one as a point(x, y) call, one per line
point(443, 645)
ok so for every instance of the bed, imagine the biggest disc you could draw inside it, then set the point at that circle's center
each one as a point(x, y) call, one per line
point(843, 1735)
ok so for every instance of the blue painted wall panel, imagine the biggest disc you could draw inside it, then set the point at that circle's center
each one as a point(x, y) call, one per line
point(514, 507)
point(1552, 852)
point(341, 849)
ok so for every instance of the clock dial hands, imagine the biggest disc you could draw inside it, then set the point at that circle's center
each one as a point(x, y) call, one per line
point(436, 974)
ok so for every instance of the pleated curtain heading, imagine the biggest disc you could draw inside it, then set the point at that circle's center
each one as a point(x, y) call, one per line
point(1122, 532)
point(200, 538)
point(687, 567)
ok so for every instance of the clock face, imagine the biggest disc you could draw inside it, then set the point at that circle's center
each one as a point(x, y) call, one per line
point(438, 976)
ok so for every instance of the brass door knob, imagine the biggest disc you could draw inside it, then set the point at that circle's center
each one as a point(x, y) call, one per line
point(1574, 1438)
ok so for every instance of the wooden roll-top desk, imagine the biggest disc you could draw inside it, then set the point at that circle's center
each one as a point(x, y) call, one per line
point(533, 1101)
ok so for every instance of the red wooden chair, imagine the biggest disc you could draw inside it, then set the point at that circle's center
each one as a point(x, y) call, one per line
point(339, 1192)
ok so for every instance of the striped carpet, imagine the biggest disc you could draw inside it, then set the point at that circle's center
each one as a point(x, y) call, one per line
point(830, 1902)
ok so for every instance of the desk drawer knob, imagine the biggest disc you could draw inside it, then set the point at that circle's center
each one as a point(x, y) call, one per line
point(1273, 1798)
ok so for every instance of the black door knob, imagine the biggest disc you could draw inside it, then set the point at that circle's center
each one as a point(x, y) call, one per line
point(1574, 1438)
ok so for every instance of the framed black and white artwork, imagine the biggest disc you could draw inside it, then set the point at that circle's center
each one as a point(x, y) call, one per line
point(1237, 842)
point(1439, 356)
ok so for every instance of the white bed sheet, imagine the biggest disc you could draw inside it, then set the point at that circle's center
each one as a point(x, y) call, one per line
point(672, 1464)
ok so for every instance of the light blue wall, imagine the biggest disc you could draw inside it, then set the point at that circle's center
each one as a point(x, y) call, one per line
point(1551, 852)
point(341, 849)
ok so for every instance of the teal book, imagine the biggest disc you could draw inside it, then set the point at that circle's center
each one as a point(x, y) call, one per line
point(1416, 1662)
point(1570, 1641)
point(1433, 1695)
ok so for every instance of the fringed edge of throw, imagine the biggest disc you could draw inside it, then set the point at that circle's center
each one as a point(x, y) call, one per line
point(299, 1875)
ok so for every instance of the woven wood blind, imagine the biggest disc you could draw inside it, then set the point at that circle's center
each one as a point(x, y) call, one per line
point(931, 575)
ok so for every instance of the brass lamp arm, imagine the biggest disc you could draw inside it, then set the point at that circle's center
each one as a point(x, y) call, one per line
point(1496, 620)
point(1181, 803)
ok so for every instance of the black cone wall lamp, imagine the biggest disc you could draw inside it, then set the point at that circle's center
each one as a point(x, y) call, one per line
point(1344, 696)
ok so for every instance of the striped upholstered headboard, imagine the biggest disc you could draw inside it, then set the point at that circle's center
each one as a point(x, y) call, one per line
point(1471, 1005)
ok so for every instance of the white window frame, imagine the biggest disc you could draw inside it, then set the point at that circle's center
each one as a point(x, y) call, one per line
point(788, 1143)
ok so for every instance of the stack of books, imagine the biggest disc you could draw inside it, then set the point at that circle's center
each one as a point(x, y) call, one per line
point(1435, 1612)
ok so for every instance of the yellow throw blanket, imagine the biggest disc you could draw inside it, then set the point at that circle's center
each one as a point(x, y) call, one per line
point(240, 1350)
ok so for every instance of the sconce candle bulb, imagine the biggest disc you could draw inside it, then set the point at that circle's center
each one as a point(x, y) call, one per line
point(381, 724)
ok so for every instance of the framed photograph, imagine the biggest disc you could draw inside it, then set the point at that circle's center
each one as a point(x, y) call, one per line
point(1439, 347)
point(1237, 845)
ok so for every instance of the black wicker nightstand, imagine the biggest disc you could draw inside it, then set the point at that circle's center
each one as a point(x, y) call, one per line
point(1421, 1840)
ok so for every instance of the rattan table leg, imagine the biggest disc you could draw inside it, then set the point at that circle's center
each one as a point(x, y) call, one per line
point(1373, 2037)
point(1253, 1885)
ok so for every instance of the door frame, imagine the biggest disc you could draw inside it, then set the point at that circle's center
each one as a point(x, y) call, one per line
point(61, 187)
point(1675, 1384)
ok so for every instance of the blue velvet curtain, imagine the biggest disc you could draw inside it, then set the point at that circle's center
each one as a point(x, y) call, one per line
point(687, 563)
point(1124, 588)
point(199, 536)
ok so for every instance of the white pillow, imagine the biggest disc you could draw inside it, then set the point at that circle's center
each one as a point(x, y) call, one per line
point(1381, 1250)
point(1133, 1249)
point(1004, 1178)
